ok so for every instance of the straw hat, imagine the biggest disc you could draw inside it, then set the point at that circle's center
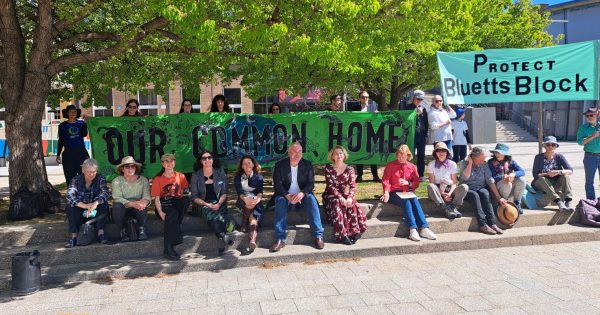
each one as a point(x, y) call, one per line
point(127, 160)
point(508, 214)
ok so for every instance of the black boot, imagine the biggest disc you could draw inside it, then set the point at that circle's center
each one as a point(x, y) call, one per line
point(170, 253)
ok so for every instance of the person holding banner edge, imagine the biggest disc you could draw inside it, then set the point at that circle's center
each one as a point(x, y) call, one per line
point(421, 130)
point(588, 136)
point(366, 106)
point(71, 134)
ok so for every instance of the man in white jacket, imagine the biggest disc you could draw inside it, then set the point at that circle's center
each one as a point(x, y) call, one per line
point(440, 121)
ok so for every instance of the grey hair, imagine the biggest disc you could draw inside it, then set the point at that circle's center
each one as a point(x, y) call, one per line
point(477, 151)
point(88, 163)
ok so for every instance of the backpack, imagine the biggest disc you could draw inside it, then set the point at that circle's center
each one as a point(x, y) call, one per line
point(87, 232)
point(52, 199)
point(25, 205)
point(588, 211)
point(132, 230)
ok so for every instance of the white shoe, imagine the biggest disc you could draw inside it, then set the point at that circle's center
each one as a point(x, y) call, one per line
point(414, 236)
point(426, 233)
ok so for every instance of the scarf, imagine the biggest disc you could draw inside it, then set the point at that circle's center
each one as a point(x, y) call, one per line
point(445, 164)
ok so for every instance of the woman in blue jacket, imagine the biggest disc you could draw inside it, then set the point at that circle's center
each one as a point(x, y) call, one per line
point(249, 186)
point(508, 175)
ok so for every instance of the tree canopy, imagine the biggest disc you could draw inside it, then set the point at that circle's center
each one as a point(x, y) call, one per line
point(59, 49)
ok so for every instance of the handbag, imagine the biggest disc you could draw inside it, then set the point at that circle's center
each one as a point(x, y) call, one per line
point(87, 232)
point(132, 230)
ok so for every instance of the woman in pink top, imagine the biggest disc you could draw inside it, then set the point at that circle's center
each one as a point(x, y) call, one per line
point(402, 176)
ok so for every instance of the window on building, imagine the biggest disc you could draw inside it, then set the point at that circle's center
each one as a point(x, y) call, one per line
point(102, 110)
point(262, 105)
point(192, 96)
point(234, 97)
point(2, 112)
point(148, 102)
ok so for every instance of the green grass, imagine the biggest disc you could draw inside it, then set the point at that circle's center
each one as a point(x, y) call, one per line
point(365, 191)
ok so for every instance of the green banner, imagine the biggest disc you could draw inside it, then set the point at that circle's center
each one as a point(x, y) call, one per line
point(371, 138)
point(559, 73)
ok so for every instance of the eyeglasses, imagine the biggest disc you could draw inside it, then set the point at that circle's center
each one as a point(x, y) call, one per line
point(129, 166)
point(206, 158)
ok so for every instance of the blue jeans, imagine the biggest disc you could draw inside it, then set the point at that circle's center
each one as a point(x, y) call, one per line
point(411, 210)
point(309, 204)
point(591, 163)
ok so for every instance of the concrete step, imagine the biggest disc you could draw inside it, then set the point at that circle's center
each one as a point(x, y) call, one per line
point(108, 270)
point(508, 131)
point(383, 227)
point(29, 235)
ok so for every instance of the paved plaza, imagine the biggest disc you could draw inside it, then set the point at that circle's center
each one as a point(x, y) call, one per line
point(548, 279)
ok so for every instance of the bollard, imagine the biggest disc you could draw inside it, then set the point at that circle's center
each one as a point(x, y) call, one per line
point(26, 273)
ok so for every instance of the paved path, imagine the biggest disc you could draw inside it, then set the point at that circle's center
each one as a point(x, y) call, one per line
point(549, 279)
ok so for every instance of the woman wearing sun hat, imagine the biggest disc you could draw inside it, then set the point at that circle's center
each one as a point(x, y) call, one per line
point(443, 188)
point(551, 172)
point(131, 195)
point(71, 134)
point(508, 174)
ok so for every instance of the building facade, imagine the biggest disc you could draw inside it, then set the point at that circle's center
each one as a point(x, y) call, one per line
point(573, 21)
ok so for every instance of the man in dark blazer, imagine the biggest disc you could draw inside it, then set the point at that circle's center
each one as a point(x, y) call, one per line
point(294, 181)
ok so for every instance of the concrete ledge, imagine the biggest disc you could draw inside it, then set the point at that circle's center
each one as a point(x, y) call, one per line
point(153, 266)
point(300, 234)
point(30, 235)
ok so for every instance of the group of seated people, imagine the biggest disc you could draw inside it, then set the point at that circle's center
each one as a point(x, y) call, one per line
point(501, 176)
point(293, 182)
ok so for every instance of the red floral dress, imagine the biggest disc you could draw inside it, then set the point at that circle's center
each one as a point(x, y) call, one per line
point(345, 221)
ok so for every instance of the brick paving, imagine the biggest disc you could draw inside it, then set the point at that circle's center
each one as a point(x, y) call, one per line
point(547, 279)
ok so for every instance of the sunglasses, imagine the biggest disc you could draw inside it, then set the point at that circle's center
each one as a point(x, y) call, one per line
point(364, 96)
point(439, 101)
point(134, 107)
point(551, 145)
point(206, 158)
point(590, 115)
point(129, 166)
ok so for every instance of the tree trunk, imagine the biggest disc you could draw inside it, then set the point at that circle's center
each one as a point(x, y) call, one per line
point(24, 136)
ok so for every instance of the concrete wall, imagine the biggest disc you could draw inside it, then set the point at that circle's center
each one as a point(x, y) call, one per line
point(482, 124)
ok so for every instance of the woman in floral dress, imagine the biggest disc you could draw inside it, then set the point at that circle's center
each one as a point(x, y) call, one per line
point(348, 219)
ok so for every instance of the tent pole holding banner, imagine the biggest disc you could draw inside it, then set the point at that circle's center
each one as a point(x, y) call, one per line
point(540, 129)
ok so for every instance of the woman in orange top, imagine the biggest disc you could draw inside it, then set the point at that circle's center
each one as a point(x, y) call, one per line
point(401, 176)
point(167, 191)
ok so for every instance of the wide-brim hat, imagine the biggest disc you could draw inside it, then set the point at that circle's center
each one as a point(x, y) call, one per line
point(65, 112)
point(591, 110)
point(550, 140)
point(418, 94)
point(440, 146)
point(502, 149)
point(128, 160)
point(508, 214)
